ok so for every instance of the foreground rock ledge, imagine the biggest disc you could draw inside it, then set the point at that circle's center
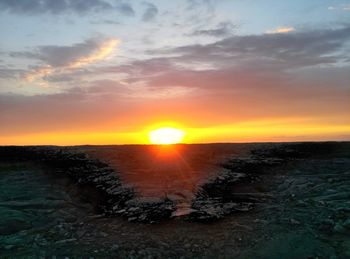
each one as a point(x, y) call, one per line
point(217, 198)
point(111, 196)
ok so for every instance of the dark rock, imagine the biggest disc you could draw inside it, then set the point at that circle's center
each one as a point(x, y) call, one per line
point(326, 225)
point(148, 210)
point(219, 197)
point(212, 209)
point(294, 222)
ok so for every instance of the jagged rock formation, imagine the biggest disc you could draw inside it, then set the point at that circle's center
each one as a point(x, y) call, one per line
point(111, 196)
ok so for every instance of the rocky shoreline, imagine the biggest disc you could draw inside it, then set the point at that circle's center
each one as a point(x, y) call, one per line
point(215, 199)
point(113, 197)
point(276, 201)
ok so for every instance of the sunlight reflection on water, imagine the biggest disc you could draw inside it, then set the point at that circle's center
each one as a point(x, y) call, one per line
point(172, 171)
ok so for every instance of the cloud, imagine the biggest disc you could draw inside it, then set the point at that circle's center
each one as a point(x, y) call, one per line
point(252, 77)
point(126, 9)
point(342, 7)
point(279, 51)
point(223, 29)
point(195, 4)
point(103, 50)
point(346, 7)
point(106, 21)
point(227, 98)
point(250, 60)
point(243, 66)
point(150, 12)
point(51, 6)
point(281, 30)
point(265, 61)
point(11, 73)
point(103, 106)
point(35, 7)
point(60, 58)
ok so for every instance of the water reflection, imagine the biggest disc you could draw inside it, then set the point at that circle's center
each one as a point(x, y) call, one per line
point(173, 171)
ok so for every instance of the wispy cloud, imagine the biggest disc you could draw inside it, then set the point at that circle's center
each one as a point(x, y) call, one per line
point(10, 73)
point(270, 52)
point(125, 8)
point(104, 50)
point(281, 30)
point(342, 7)
point(209, 4)
point(150, 12)
point(223, 29)
point(35, 7)
point(59, 59)
point(256, 76)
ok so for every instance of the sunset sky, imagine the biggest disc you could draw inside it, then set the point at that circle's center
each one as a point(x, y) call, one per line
point(109, 71)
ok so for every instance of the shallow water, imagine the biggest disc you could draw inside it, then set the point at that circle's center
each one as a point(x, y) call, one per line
point(44, 214)
point(310, 215)
point(174, 171)
point(40, 212)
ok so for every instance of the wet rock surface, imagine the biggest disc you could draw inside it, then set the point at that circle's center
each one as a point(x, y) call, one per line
point(147, 210)
point(232, 190)
point(279, 201)
point(108, 193)
point(310, 206)
point(216, 198)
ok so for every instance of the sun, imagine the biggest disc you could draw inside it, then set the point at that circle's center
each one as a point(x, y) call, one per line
point(166, 136)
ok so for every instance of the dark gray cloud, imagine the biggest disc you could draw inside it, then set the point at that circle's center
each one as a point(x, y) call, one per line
point(268, 61)
point(273, 51)
point(11, 73)
point(253, 60)
point(217, 80)
point(242, 84)
point(194, 4)
point(150, 12)
point(223, 29)
point(34, 7)
point(106, 21)
point(126, 9)
point(92, 107)
point(59, 56)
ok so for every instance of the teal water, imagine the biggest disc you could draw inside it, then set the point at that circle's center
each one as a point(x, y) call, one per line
point(40, 214)
point(310, 215)
point(45, 215)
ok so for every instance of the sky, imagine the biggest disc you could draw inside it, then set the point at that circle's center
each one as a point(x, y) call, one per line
point(108, 71)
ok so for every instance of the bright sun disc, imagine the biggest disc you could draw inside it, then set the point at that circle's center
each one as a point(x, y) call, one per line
point(166, 136)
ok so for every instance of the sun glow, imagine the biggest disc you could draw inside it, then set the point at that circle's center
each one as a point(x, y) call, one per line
point(166, 136)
